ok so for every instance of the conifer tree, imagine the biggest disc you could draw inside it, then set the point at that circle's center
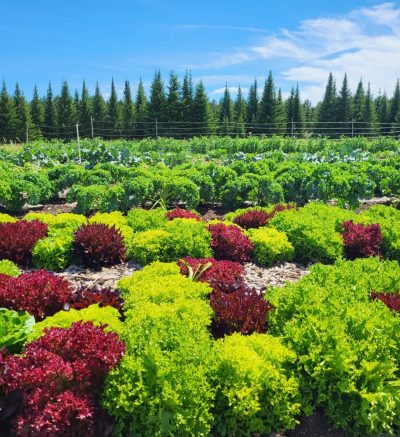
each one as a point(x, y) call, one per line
point(85, 112)
point(8, 118)
point(157, 102)
point(50, 114)
point(344, 108)
point(76, 104)
point(99, 112)
point(174, 112)
point(327, 110)
point(370, 118)
point(66, 115)
point(267, 108)
point(281, 116)
point(113, 112)
point(226, 113)
point(309, 115)
point(23, 120)
point(240, 113)
point(128, 111)
point(187, 100)
point(252, 106)
point(383, 113)
point(202, 114)
point(395, 103)
point(295, 116)
point(359, 109)
point(141, 115)
point(37, 114)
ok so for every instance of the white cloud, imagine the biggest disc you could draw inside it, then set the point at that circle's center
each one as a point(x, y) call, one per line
point(364, 43)
point(233, 90)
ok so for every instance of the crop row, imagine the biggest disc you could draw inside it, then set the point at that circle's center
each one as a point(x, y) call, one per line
point(313, 233)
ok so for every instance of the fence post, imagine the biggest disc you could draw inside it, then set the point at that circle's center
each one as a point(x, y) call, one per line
point(27, 132)
point(292, 127)
point(91, 126)
point(156, 128)
point(352, 128)
point(79, 142)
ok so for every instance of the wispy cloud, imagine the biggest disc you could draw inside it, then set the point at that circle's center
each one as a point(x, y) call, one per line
point(233, 90)
point(364, 43)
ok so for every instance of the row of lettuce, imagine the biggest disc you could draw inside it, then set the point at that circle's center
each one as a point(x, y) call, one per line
point(103, 183)
point(284, 232)
point(206, 357)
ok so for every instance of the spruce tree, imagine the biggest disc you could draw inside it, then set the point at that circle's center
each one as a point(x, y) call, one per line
point(281, 116)
point(99, 112)
point(344, 108)
point(141, 115)
point(50, 114)
point(128, 111)
point(66, 115)
point(76, 104)
point(187, 101)
point(252, 106)
point(22, 114)
point(113, 112)
point(85, 112)
point(383, 112)
point(202, 114)
point(37, 114)
point(157, 103)
point(395, 103)
point(267, 108)
point(309, 115)
point(173, 111)
point(226, 113)
point(295, 116)
point(240, 113)
point(370, 118)
point(327, 110)
point(8, 117)
point(359, 109)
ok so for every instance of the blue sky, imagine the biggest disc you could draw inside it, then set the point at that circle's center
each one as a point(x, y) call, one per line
point(220, 41)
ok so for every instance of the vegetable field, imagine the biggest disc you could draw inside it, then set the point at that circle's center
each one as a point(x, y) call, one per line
point(185, 345)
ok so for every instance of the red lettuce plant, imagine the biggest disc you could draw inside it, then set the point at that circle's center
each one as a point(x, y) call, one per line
point(182, 213)
point(229, 243)
point(17, 240)
point(252, 219)
point(84, 297)
point(255, 218)
point(61, 375)
point(391, 300)
point(221, 275)
point(40, 292)
point(98, 245)
point(361, 241)
point(244, 311)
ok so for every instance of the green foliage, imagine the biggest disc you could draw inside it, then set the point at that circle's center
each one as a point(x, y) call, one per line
point(313, 231)
point(144, 220)
point(256, 392)
point(160, 283)
point(101, 198)
point(270, 246)
point(161, 387)
point(236, 191)
point(65, 222)
point(388, 219)
point(347, 345)
point(151, 245)
point(6, 218)
point(54, 252)
point(108, 316)
point(14, 329)
point(7, 267)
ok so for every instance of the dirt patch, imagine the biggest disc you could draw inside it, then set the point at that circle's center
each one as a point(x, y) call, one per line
point(105, 278)
point(316, 425)
point(278, 275)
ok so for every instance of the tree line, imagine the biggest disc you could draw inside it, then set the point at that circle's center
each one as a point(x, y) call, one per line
point(182, 109)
